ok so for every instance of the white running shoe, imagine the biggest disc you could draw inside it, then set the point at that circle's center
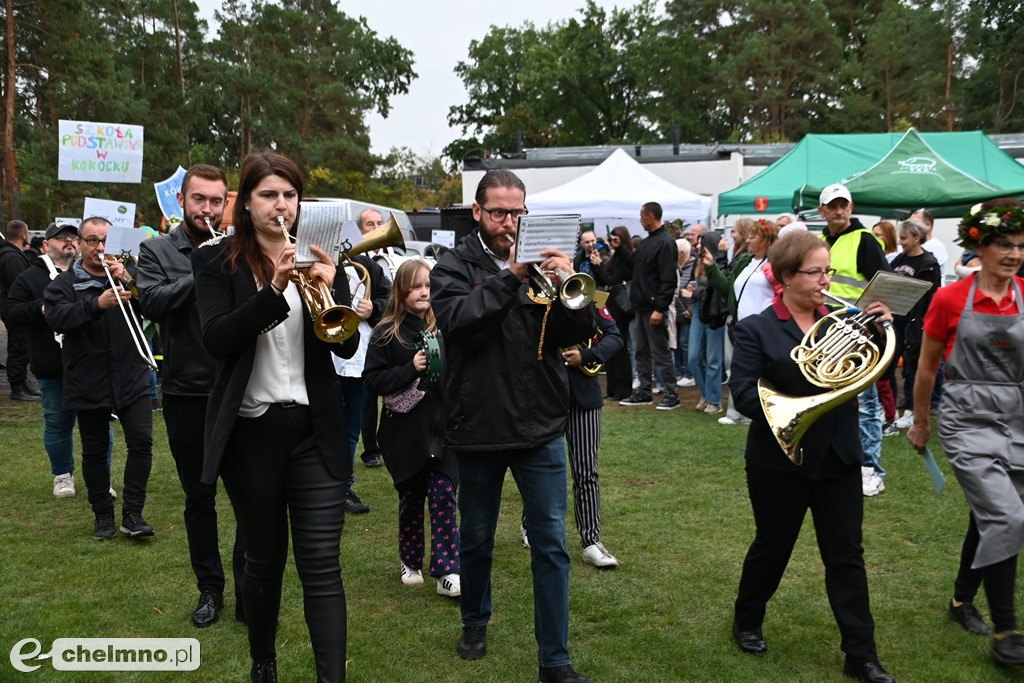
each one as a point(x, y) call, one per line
point(64, 485)
point(905, 422)
point(599, 557)
point(525, 537)
point(449, 586)
point(686, 382)
point(411, 577)
point(113, 493)
point(729, 421)
point(871, 483)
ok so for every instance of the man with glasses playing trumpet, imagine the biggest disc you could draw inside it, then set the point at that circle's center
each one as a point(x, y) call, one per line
point(105, 371)
point(167, 294)
point(507, 399)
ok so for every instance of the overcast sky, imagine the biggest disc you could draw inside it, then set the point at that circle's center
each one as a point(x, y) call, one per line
point(438, 33)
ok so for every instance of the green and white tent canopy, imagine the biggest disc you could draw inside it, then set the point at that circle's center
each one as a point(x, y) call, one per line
point(910, 176)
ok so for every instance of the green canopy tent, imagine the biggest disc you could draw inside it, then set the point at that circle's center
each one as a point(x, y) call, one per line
point(819, 160)
point(913, 175)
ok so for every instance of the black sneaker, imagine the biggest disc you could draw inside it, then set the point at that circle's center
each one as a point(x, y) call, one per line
point(967, 615)
point(637, 398)
point(1008, 650)
point(669, 401)
point(372, 462)
point(21, 392)
point(560, 674)
point(353, 505)
point(134, 526)
point(473, 643)
point(105, 529)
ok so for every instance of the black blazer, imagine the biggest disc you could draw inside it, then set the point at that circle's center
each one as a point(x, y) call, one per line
point(585, 390)
point(761, 349)
point(232, 314)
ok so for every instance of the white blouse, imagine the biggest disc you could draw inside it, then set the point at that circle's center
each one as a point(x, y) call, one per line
point(278, 369)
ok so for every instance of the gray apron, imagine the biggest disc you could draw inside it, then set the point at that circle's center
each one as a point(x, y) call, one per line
point(981, 424)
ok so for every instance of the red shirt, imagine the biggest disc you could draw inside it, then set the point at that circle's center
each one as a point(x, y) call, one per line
point(949, 302)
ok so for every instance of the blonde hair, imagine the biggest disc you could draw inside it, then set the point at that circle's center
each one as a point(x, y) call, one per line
point(394, 313)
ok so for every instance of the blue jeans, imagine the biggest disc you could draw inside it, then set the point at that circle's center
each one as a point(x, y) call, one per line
point(540, 475)
point(681, 353)
point(353, 398)
point(706, 356)
point(59, 428)
point(870, 418)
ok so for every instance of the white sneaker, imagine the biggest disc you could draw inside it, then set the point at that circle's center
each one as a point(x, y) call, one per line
point(526, 539)
point(871, 483)
point(686, 382)
point(729, 421)
point(599, 557)
point(411, 577)
point(905, 422)
point(657, 390)
point(113, 493)
point(449, 585)
point(636, 382)
point(64, 485)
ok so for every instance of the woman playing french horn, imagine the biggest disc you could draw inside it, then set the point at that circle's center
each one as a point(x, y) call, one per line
point(828, 482)
point(272, 431)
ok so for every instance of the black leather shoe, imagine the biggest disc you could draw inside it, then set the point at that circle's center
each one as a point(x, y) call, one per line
point(207, 612)
point(1008, 650)
point(750, 642)
point(353, 505)
point(473, 643)
point(264, 672)
point(967, 615)
point(869, 672)
point(560, 674)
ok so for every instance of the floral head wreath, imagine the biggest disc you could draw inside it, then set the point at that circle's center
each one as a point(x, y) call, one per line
point(765, 225)
point(980, 226)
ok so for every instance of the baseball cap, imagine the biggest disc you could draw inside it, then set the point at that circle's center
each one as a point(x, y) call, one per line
point(55, 229)
point(834, 191)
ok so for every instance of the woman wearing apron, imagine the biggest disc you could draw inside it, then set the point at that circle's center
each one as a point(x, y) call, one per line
point(979, 324)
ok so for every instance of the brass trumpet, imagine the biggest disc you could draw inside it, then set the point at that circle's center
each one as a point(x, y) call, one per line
point(575, 291)
point(844, 360)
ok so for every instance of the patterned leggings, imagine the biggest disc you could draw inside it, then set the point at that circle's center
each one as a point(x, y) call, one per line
point(439, 491)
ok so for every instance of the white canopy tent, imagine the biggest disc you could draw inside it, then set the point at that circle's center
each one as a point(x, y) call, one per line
point(612, 193)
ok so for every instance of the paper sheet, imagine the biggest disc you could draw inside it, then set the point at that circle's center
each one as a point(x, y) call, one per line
point(898, 292)
point(537, 233)
point(319, 224)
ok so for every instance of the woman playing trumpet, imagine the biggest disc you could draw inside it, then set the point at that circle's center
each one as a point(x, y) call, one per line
point(272, 428)
point(828, 483)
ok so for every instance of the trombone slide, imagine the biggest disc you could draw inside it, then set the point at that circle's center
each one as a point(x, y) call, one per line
point(134, 326)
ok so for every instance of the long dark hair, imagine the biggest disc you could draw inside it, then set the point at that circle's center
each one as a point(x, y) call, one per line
point(255, 168)
point(625, 240)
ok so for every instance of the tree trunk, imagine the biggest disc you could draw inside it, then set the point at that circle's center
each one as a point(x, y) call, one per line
point(11, 181)
point(949, 84)
point(181, 77)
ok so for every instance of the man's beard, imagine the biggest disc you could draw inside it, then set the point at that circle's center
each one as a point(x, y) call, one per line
point(198, 232)
point(498, 244)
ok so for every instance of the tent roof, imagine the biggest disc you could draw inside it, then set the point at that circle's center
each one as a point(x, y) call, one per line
point(909, 176)
point(819, 160)
point(616, 189)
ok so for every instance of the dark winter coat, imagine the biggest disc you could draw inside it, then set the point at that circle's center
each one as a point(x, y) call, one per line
point(24, 307)
point(654, 272)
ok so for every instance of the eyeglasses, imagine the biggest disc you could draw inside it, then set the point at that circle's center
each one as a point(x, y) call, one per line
point(1006, 247)
point(500, 214)
point(816, 273)
point(93, 241)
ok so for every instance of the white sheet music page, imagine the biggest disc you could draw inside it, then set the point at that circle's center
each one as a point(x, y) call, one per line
point(898, 292)
point(537, 233)
point(320, 225)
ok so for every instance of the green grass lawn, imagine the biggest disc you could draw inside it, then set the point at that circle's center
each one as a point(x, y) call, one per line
point(675, 513)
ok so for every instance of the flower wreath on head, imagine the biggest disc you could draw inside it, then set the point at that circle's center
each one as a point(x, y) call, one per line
point(980, 226)
point(765, 225)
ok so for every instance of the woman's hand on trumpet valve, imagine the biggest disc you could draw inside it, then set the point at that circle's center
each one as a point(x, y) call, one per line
point(283, 268)
point(572, 357)
point(324, 270)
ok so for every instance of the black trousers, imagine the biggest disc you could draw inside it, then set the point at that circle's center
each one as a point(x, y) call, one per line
point(136, 420)
point(999, 579)
point(17, 354)
point(780, 500)
point(619, 368)
point(185, 417)
point(370, 447)
point(275, 476)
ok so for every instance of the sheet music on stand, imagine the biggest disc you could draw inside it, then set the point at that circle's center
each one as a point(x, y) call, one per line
point(899, 292)
point(121, 240)
point(537, 233)
point(319, 224)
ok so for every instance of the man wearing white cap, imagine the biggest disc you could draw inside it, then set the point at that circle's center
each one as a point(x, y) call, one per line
point(856, 257)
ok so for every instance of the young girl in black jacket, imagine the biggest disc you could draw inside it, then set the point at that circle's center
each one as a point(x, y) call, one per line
point(412, 430)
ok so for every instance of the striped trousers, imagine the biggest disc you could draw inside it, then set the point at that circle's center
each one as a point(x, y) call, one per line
point(583, 437)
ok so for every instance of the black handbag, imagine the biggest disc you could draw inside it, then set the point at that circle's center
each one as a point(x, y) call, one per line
point(714, 310)
point(620, 299)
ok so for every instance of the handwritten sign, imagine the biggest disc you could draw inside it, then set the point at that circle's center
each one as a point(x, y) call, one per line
point(537, 233)
point(118, 213)
point(99, 152)
point(167, 194)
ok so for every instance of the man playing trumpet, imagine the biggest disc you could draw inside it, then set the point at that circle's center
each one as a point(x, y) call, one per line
point(104, 373)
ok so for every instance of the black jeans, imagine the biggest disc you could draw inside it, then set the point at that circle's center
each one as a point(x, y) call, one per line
point(275, 475)
point(136, 420)
point(370, 447)
point(780, 501)
point(999, 579)
point(619, 368)
point(185, 417)
point(17, 355)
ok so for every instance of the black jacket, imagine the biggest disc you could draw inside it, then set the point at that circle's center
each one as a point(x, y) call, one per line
point(654, 272)
point(12, 261)
point(617, 269)
point(498, 395)
point(24, 307)
point(102, 366)
point(761, 348)
point(168, 297)
point(409, 441)
point(586, 390)
point(232, 314)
